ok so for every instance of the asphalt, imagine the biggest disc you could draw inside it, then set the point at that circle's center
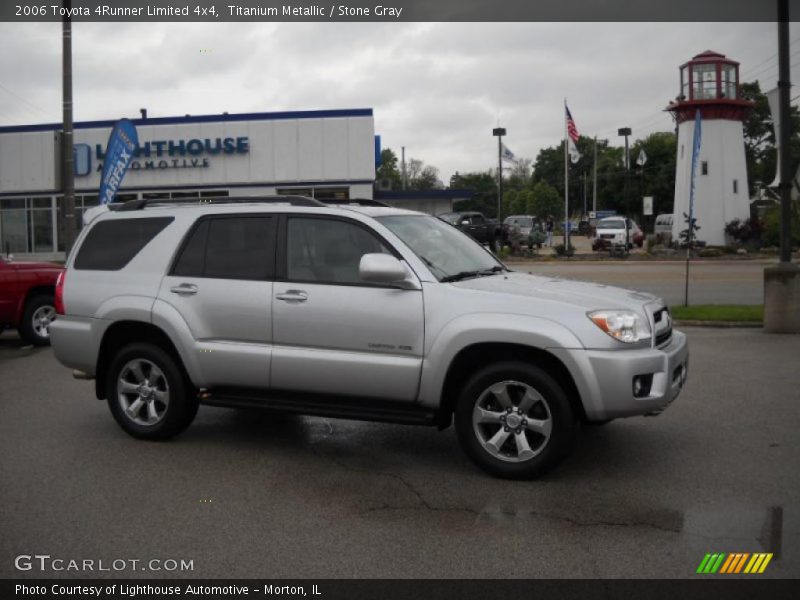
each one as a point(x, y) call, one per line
point(248, 494)
point(710, 281)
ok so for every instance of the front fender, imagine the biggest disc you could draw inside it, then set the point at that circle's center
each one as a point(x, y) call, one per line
point(480, 328)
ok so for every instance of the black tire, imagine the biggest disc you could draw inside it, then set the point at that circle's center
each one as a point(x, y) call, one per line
point(32, 330)
point(553, 404)
point(176, 415)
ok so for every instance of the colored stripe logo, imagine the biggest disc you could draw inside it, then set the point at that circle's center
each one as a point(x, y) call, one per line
point(734, 563)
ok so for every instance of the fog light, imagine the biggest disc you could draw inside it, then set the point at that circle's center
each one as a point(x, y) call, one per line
point(642, 385)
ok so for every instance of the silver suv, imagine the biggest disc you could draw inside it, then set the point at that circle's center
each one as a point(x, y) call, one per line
point(356, 312)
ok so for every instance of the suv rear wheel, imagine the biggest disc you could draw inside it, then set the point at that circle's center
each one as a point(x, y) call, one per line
point(148, 394)
point(35, 326)
point(514, 420)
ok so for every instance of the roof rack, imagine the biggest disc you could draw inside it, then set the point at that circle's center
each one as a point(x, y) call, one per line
point(357, 202)
point(144, 202)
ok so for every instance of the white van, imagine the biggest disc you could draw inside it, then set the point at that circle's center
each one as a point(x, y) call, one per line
point(663, 229)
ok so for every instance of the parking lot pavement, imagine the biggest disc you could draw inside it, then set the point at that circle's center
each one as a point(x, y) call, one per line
point(710, 281)
point(252, 494)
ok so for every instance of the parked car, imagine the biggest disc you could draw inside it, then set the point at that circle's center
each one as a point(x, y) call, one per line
point(615, 232)
point(27, 298)
point(353, 312)
point(663, 229)
point(530, 229)
point(637, 235)
point(478, 226)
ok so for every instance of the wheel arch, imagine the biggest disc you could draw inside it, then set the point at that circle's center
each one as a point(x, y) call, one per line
point(33, 291)
point(127, 332)
point(473, 357)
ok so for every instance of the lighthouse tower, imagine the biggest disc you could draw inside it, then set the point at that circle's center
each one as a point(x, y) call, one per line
point(710, 84)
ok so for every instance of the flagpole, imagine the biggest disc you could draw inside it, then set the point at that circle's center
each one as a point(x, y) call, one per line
point(594, 184)
point(566, 183)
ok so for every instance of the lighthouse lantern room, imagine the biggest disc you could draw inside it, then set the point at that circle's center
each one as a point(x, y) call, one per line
point(710, 84)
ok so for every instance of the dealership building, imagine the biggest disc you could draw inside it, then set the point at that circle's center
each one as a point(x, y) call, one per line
point(328, 154)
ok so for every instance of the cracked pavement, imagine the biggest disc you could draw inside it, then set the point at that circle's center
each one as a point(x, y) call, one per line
point(252, 494)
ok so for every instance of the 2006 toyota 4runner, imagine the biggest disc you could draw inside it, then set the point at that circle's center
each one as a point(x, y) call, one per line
point(352, 312)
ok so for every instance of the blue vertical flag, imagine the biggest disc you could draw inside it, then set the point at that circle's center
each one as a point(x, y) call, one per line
point(119, 151)
point(695, 157)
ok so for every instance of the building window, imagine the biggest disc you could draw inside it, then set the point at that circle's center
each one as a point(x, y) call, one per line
point(735, 186)
point(27, 225)
point(728, 81)
point(704, 81)
point(308, 192)
point(332, 195)
point(704, 167)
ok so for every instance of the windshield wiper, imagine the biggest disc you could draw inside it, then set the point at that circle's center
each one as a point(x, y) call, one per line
point(467, 274)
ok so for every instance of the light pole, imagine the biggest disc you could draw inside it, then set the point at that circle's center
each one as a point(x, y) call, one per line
point(499, 132)
point(67, 158)
point(625, 132)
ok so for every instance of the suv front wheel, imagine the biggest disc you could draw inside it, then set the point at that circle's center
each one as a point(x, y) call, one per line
point(514, 420)
point(148, 394)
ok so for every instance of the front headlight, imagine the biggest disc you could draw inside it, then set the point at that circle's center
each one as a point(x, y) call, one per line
point(623, 325)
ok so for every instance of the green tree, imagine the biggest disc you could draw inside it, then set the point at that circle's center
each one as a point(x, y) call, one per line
point(545, 201)
point(484, 187)
point(657, 177)
point(389, 171)
point(549, 167)
point(518, 177)
point(421, 176)
point(759, 138)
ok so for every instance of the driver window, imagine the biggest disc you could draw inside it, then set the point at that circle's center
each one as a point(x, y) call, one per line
point(327, 250)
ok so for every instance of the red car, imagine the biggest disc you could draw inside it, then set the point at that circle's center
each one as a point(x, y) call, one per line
point(27, 298)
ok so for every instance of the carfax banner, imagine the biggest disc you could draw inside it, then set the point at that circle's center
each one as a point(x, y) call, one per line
point(119, 151)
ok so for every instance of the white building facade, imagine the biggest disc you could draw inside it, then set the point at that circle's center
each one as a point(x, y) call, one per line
point(330, 155)
point(710, 85)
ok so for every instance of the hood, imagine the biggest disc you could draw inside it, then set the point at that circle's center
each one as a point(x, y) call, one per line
point(580, 294)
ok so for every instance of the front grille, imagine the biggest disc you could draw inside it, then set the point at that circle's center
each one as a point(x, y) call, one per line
point(663, 326)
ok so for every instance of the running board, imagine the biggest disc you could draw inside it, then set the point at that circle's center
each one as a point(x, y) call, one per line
point(320, 405)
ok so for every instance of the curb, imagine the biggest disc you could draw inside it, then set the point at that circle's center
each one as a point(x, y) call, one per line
point(719, 324)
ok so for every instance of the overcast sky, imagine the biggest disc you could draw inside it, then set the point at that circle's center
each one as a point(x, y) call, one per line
point(436, 88)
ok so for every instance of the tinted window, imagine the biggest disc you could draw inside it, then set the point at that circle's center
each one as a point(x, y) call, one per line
point(192, 260)
point(110, 245)
point(327, 250)
point(229, 248)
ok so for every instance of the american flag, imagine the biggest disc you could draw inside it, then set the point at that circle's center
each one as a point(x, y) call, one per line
point(571, 129)
point(573, 135)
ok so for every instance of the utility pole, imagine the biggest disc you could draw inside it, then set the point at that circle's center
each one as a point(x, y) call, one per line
point(499, 132)
point(626, 131)
point(782, 281)
point(67, 142)
point(594, 184)
point(403, 166)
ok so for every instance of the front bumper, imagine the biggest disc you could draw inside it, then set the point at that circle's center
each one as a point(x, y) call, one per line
point(605, 378)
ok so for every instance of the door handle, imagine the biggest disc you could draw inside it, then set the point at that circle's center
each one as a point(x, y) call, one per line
point(184, 289)
point(292, 296)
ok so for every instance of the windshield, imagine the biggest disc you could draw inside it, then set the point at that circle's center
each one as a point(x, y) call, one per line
point(611, 224)
point(448, 253)
point(521, 221)
point(451, 218)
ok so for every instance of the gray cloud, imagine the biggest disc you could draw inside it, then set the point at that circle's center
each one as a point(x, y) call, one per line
point(436, 88)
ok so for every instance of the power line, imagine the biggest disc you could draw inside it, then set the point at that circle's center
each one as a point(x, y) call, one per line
point(8, 91)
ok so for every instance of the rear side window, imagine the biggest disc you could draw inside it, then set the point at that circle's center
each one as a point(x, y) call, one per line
point(229, 248)
point(110, 245)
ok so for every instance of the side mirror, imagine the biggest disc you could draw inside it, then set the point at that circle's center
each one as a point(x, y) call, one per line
point(384, 268)
point(465, 222)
